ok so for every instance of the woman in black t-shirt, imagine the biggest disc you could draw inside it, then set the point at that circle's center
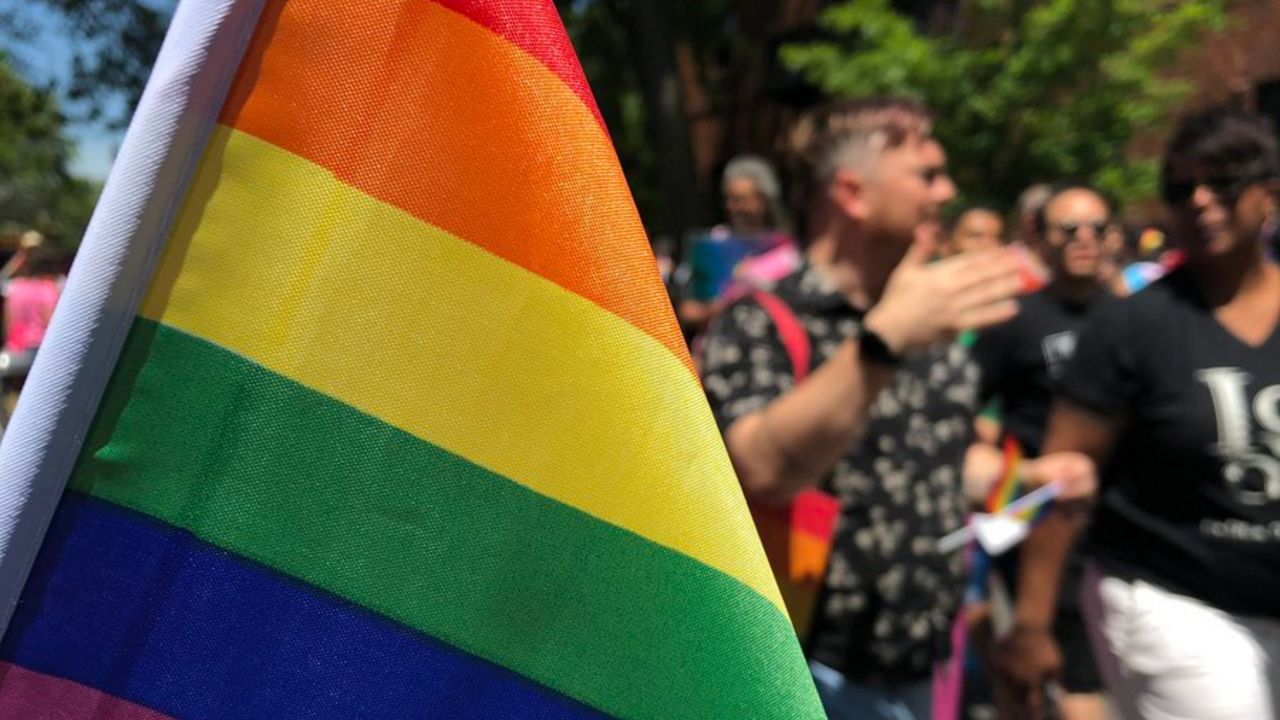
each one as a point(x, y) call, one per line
point(1175, 394)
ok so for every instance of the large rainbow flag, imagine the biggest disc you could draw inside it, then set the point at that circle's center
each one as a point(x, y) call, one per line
point(395, 420)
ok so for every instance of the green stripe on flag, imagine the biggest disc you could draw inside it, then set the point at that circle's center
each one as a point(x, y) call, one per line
point(250, 461)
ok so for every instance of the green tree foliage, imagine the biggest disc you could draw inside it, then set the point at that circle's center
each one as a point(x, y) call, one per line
point(604, 44)
point(118, 42)
point(36, 189)
point(685, 86)
point(1023, 91)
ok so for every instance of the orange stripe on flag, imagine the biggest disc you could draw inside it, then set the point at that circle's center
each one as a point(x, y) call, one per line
point(425, 110)
point(536, 28)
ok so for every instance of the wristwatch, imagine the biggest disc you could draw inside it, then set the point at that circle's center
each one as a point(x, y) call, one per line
point(872, 348)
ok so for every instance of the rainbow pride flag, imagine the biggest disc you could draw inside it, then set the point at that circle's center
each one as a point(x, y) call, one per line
point(1008, 484)
point(395, 419)
point(1008, 487)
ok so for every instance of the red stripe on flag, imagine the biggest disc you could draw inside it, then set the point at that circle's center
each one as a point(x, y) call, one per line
point(29, 695)
point(534, 27)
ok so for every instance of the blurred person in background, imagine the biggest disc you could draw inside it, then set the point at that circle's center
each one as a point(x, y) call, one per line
point(753, 248)
point(1020, 361)
point(1148, 258)
point(27, 242)
point(1027, 212)
point(1173, 401)
point(878, 414)
point(1026, 215)
point(30, 296)
point(975, 228)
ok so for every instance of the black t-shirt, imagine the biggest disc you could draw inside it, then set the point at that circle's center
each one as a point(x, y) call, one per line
point(1021, 361)
point(1191, 497)
point(1022, 358)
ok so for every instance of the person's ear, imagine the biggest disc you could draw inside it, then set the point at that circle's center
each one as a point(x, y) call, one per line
point(849, 193)
point(1273, 196)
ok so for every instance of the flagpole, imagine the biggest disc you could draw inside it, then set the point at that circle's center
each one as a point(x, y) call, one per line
point(143, 193)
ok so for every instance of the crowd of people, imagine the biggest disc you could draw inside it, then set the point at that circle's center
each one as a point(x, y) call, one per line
point(894, 361)
point(888, 364)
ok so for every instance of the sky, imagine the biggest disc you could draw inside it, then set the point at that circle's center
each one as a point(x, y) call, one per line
point(45, 58)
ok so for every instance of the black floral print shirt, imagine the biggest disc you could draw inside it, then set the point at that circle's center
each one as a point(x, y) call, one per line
point(889, 597)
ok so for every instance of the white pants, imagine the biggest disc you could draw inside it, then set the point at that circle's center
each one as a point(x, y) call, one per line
point(1165, 656)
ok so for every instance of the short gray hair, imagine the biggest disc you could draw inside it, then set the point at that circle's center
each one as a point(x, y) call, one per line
point(761, 174)
point(753, 168)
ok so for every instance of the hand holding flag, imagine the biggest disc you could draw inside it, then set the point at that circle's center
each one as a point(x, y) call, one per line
point(1010, 514)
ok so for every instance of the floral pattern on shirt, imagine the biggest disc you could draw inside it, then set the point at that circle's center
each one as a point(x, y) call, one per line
point(889, 598)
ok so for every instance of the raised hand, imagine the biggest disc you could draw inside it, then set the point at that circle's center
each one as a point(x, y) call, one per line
point(925, 302)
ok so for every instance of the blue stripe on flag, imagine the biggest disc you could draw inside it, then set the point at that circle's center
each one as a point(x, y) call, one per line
point(148, 613)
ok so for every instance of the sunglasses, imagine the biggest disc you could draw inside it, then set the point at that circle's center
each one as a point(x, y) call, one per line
point(1071, 227)
point(1227, 186)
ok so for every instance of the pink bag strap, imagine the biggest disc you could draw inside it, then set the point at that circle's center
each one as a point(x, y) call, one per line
point(794, 338)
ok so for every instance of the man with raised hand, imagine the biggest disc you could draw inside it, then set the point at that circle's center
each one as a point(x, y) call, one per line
point(885, 410)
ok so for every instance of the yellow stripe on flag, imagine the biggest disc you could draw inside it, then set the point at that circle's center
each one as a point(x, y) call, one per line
point(275, 259)
point(421, 108)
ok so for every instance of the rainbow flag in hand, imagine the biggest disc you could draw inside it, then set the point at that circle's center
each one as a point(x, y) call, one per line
point(1008, 488)
point(1010, 513)
point(395, 421)
point(1008, 483)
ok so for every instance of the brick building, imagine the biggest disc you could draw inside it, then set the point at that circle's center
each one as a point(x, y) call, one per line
point(1241, 63)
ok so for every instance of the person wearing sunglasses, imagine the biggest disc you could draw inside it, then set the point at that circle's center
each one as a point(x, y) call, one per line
point(1020, 360)
point(1172, 403)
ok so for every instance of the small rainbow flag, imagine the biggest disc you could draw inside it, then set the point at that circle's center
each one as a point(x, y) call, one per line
point(1009, 486)
point(401, 426)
